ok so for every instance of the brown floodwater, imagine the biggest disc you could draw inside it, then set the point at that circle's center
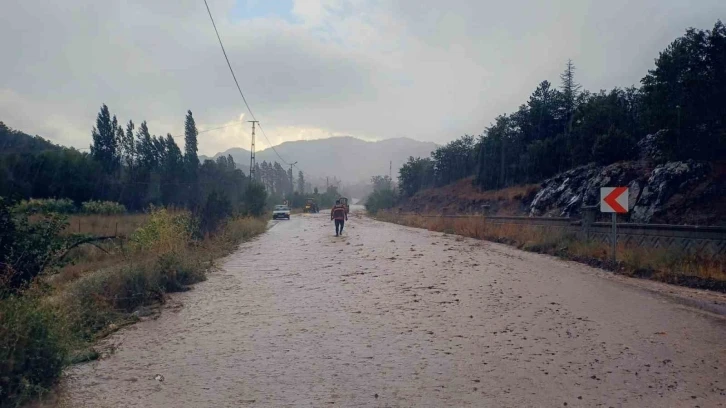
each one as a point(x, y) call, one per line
point(389, 316)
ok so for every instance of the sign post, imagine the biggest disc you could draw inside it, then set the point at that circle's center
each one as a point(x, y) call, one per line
point(614, 200)
point(614, 237)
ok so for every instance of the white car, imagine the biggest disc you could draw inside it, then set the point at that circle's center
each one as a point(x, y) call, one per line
point(281, 211)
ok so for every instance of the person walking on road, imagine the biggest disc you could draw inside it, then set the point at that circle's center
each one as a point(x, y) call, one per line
point(340, 215)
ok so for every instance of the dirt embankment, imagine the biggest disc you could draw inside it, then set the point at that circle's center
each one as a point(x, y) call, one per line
point(463, 197)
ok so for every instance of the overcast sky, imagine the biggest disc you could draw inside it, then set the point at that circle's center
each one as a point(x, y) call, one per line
point(431, 70)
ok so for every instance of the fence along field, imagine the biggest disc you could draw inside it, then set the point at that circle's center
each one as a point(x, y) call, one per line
point(703, 241)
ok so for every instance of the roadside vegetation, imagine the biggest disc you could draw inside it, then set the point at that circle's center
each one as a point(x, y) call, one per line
point(663, 265)
point(57, 298)
point(66, 206)
point(384, 195)
point(90, 242)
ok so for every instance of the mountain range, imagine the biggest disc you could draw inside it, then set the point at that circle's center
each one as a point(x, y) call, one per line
point(346, 158)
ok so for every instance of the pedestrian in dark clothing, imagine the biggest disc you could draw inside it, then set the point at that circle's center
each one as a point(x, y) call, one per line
point(340, 215)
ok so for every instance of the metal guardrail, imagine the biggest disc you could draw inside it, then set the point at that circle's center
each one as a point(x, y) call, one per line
point(707, 241)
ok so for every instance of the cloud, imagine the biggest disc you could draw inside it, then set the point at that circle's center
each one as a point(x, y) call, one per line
point(429, 70)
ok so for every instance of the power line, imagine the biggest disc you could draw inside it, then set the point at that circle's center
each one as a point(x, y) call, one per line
point(271, 146)
point(209, 130)
point(237, 83)
point(228, 63)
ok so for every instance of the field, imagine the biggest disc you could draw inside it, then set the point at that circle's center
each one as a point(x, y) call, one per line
point(106, 225)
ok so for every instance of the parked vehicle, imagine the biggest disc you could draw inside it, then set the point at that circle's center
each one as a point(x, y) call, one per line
point(281, 212)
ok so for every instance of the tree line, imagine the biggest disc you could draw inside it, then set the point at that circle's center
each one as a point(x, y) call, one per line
point(276, 179)
point(129, 165)
point(126, 164)
point(682, 99)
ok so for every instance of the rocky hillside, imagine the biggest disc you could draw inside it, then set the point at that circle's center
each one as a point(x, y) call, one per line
point(683, 192)
point(687, 192)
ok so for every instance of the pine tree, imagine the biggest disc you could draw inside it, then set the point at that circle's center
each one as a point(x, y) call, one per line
point(265, 175)
point(144, 148)
point(541, 107)
point(120, 145)
point(190, 145)
point(128, 147)
point(117, 141)
point(172, 169)
point(300, 182)
point(104, 144)
point(258, 173)
point(160, 151)
point(173, 154)
point(685, 95)
point(570, 91)
point(191, 160)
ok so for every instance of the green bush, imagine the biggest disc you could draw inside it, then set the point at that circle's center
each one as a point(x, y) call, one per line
point(102, 207)
point(613, 146)
point(241, 229)
point(164, 232)
point(66, 206)
point(87, 306)
point(380, 200)
point(255, 198)
point(96, 300)
point(28, 248)
point(176, 272)
point(45, 206)
point(215, 210)
point(33, 349)
point(7, 232)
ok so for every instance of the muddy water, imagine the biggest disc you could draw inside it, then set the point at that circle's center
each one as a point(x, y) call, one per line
point(388, 316)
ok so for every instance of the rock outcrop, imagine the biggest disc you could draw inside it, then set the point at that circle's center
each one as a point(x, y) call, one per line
point(679, 192)
point(664, 182)
point(650, 190)
point(659, 191)
point(649, 148)
point(565, 194)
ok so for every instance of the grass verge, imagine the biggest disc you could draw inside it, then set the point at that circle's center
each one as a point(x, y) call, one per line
point(56, 322)
point(657, 264)
point(33, 349)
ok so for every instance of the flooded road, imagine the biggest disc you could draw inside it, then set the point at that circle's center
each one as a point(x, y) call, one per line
point(390, 316)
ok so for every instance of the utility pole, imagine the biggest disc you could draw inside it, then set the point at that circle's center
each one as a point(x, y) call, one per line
point(390, 169)
point(292, 186)
point(326, 183)
point(252, 152)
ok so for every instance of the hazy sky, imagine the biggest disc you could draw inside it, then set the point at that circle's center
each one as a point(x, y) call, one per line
point(426, 69)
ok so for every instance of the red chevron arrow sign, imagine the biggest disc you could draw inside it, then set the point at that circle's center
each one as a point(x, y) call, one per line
point(614, 199)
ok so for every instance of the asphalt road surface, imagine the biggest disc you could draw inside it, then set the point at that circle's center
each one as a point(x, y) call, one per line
point(389, 316)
